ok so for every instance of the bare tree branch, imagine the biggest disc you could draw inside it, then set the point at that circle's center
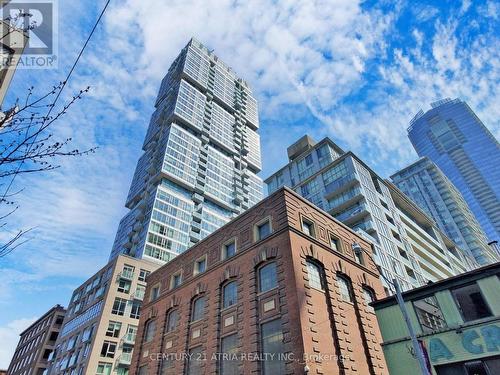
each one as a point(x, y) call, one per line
point(28, 146)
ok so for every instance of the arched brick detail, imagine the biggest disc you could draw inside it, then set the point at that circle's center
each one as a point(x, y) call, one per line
point(265, 254)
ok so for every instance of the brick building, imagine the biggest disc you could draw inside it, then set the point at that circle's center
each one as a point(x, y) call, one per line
point(282, 289)
point(37, 343)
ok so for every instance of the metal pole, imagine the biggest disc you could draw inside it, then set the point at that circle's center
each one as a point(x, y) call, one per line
point(416, 346)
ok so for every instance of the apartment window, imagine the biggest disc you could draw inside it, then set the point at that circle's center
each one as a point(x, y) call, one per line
point(229, 350)
point(198, 309)
point(358, 255)
point(172, 320)
point(119, 306)
point(100, 291)
point(128, 271)
point(471, 302)
point(345, 288)
point(87, 333)
point(429, 314)
point(143, 274)
point(229, 250)
point(71, 342)
point(176, 280)
point(155, 292)
point(149, 332)
point(108, 349)
point(59, 320)
point(200, 265)
point(314, 273)
point(135, 310)
point(103, 368)
point(167, 366)
point(113, 329)
point(369, 296)
point(335, 243)
point(263, 230)
point(195, 361)
point(268, 278)
point(308, 227)
point(272, 347)
point(410, 272)
point(229, 294)
point(389, 219)
point(124, 286)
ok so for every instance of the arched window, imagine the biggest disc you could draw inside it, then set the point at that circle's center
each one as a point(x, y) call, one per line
point(230, 294)
point(198, 309)
point(268, 277)
point(149, 332)
point(369, 296)
point(172, 320)
point(315, 275)
point(345, 288)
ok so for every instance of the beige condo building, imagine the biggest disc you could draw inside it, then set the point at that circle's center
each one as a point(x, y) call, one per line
point(99, 331)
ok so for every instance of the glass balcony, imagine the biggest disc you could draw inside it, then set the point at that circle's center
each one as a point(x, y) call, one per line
point(125, 359)
point(126, 274)
point(139, 294)
point(339, 185)
point(129, 338)
point(353, 212)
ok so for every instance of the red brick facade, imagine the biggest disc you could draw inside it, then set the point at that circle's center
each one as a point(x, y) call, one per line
point(318, 326)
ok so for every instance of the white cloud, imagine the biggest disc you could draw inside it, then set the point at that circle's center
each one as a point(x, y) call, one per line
point(9, 337)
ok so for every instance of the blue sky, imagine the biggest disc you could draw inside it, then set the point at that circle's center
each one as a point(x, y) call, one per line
point(354, 71)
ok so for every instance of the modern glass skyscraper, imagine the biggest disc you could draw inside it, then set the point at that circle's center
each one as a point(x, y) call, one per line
point(455, 139)
point(200, 162)
point(408, 245)
point(434, 193)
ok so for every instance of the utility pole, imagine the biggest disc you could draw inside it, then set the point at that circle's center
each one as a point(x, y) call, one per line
point(416, 346)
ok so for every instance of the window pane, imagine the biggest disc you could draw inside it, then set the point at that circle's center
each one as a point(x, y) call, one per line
point(173, 318)
point(314, 274)
point(471, 303)
point(195, 361)
point(230, 294)
point(369, 297)
point(198, 309)
point(264, 230)
point(150, 331)
point(230, 250)
point(272, 343)
point(229, 349)
point(267, 277)
point(345, 288)
point(429, 314)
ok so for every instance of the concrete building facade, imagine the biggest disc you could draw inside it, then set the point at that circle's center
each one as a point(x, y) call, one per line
point(424, 183)
point(37, 343)
point(454, 138)
point(200, 162)
point(282, 289)
point(408, 245)
point(457, 322)
point(98, 333)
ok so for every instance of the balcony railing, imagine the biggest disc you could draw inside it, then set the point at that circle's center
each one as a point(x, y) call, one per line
point(343, 182)
point(352, 212)
point(139, 294)
point(126, 274)
point(129, 338)
point(125, 359)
